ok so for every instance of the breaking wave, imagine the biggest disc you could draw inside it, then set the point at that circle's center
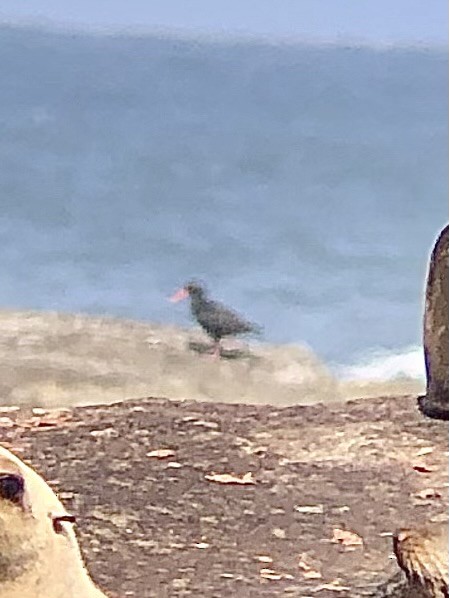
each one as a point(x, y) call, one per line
point(386, 365)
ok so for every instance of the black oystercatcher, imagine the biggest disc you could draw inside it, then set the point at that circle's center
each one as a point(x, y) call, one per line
point(216, 319)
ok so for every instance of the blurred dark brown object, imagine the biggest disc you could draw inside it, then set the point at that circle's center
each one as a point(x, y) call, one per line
point(435, 403)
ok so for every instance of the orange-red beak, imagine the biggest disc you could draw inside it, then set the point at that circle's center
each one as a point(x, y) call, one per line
point(179, 295)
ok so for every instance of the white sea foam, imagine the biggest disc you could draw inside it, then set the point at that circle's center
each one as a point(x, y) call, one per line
point(386, 365)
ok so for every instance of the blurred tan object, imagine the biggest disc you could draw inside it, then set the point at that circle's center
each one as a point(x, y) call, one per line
point(39, 553)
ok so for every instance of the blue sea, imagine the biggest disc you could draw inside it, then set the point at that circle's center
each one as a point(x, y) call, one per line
point(305, 184)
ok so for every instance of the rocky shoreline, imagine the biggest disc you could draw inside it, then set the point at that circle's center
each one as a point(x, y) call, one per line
point(273, 481)
point(52, 359)
point(313, 496)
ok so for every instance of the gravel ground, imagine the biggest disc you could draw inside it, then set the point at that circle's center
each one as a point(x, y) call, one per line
point(314, 493)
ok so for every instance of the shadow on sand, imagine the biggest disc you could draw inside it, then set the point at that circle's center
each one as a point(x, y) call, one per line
point(225, 353)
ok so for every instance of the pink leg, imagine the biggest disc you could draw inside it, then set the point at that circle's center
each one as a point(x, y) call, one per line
point(217, 350)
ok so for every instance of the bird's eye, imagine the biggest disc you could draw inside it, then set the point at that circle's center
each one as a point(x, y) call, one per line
point(58, 520)
point(12, 487)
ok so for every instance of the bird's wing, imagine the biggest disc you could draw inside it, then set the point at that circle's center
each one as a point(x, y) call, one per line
point(225, 319)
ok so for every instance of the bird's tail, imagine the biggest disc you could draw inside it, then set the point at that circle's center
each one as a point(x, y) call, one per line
point(256, 330)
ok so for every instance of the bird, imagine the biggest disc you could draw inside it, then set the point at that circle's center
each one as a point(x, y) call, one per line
point(216, 319)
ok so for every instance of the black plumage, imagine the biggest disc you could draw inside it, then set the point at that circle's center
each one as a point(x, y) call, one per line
point(215, 318)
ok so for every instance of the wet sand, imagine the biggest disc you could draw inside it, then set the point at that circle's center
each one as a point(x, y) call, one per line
point(59, 360)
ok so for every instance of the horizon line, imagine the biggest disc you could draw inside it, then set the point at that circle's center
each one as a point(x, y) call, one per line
point(43, 25)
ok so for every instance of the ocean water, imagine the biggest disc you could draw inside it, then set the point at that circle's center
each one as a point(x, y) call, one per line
point(304, 184)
